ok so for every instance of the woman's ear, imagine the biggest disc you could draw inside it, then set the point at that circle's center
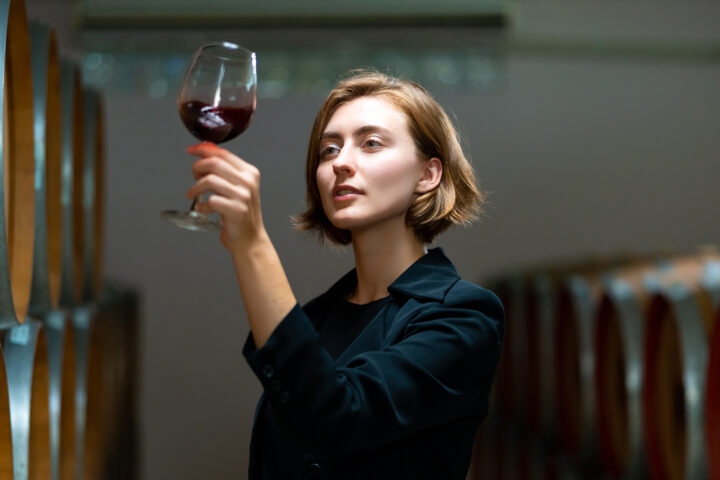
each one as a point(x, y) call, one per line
point(431, 176)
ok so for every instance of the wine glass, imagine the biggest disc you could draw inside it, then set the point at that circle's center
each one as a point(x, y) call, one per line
point(216, 102)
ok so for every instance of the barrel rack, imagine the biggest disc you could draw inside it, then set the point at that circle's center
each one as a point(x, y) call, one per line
point(68, 337)
point(610, 370)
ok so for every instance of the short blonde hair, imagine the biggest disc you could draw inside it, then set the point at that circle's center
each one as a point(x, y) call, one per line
point(456, 200)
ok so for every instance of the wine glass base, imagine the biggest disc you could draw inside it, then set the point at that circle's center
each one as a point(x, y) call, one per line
point(191, 220)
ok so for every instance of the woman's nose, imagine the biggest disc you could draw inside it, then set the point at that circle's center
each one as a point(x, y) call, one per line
point(344, 162)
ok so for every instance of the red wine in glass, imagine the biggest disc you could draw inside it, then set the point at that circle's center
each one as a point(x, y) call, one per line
point(215, 124)
point(216, 103)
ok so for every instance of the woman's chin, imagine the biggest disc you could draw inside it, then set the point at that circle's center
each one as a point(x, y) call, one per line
point(344, 224)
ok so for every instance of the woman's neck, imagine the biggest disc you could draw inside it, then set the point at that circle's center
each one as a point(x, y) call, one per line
point(380, 258)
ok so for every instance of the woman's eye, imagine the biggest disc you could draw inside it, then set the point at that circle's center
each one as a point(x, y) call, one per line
point(328, 151)
point(372, 144)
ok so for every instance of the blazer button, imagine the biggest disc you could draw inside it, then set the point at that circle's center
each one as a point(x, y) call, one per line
point(268, 371)
point(284, 397)
point(275, 385)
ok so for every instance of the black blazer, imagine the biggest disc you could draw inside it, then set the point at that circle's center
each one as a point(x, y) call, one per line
point(405, 398)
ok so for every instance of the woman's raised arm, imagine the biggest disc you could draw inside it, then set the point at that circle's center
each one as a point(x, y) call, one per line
point(235, 187)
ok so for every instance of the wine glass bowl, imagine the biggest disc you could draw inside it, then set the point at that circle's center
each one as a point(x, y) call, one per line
point(215, 124)
point(216, 103)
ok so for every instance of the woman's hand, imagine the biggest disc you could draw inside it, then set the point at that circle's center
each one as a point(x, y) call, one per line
point(235, 188)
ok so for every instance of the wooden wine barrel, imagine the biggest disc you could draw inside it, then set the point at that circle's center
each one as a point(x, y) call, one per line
point(98, 397)
point(45, 292)
point(538, 345)
point(61, 362)
point(487, 452)
point(67, 412)
point(618, 359)
point(579, 293)
point(502, 389)
point(112, 416)
point(6, 451)
point(514, 451)
point(71, 190)
point(578, 299)
point(539, 362)
point(712, 398)
point(560, 467)
point(17, 200)
point(106, 416)
point(676, 361)
point(93, 389)
point(126, 459)
point(539, 461)
point(81, 319)
point(26, 362)
point(516, 343)
point(93, 194)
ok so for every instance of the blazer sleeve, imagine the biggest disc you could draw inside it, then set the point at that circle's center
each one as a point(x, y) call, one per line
point(440, 369)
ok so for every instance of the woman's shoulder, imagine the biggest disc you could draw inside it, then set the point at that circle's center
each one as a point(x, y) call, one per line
point(467, 293)
point(470, 311)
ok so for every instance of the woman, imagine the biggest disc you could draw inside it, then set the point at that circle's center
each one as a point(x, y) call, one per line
point(387, 374)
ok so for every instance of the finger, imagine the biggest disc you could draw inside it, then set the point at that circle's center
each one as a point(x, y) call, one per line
point(217, 166)
point(248, 178)
point(207, 149)
point(225, 207)
point(220, 186)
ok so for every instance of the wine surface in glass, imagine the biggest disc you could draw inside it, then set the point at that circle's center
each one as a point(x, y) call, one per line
point(215, 124)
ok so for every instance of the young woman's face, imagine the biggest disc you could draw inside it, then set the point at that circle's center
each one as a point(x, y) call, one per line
point(368, 170)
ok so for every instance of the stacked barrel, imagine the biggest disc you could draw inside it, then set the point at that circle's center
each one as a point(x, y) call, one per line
point(610, 370)
point(67, 338)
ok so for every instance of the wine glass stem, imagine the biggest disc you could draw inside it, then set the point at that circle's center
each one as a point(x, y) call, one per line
point(197, 198)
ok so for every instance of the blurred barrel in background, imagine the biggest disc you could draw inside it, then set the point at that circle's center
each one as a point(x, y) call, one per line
point(72, 388)
point(92, 320)
point(635, 371)
point(486, 460)
point(61, 354)
point(111, 419)
point(578, 297)
point(47, 261)
point(6, 451)
point(676, 340)
point(516, 320)
point(619, 325)
point(26, 363)
point(17, 201)
point(93, 187)
point(105, 385)
point(501, 396)
point(539, 363)
point(66, 397)
point(24, 342)
point(96, 394)
point(712, 422)
point(71, 193)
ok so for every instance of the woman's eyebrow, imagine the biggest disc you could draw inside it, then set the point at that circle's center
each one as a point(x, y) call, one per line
point(364, 130)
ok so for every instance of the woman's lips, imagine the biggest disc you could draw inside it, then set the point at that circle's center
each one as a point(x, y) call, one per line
point(345, 192)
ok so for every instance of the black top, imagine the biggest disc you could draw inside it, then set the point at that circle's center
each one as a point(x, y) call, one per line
point(345, 322)
point(402, 400)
